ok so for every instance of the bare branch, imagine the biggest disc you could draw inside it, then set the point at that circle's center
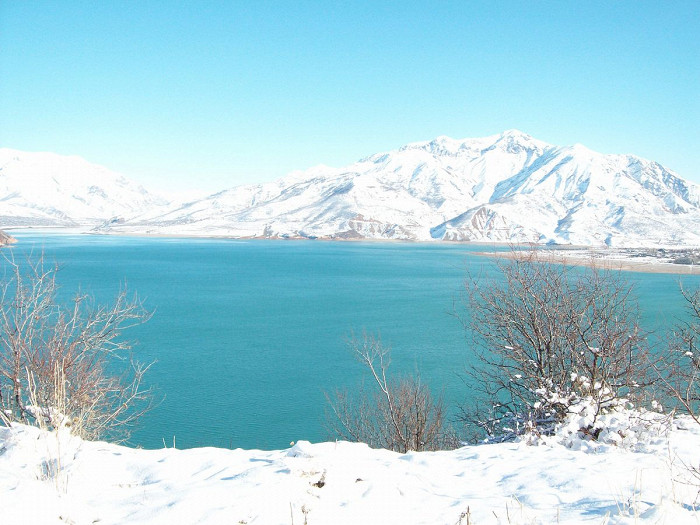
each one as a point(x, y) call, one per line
point(545, 337)
point(61, 363)
point(680, 372)
point(398, 415)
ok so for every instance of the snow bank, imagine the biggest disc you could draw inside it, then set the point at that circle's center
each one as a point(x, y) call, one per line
point(640, 476)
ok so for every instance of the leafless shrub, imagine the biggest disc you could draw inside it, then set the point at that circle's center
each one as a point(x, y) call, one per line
point(399, 415)
point(546, 337)
point(680, 372)
point(67, 365)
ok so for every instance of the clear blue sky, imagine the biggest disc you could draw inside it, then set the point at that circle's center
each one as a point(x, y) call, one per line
point(214, 94)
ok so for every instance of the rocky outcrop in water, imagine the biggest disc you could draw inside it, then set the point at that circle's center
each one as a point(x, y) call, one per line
point(6, 239)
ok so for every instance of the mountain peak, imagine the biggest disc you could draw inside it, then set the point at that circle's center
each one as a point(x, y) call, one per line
point(580, 149)
point(48, 189)
point(515, 133)
point(509, 187)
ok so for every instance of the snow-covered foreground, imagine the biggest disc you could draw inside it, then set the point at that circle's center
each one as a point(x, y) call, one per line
point(638, 472)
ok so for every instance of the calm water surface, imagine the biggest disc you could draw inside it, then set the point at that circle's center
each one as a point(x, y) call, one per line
point(248, 335)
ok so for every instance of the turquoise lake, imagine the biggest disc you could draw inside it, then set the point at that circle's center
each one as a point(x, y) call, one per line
point(248, 335)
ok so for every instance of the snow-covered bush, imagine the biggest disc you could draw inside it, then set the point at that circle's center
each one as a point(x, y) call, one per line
point(66, 365)
point(546, 337)
point(618, 424)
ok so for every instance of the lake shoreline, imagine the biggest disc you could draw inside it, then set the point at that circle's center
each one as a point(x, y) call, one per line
point(628, 260)
point(640, 259)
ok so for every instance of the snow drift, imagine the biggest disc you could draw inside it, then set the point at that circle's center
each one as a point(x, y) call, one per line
point(637, 472)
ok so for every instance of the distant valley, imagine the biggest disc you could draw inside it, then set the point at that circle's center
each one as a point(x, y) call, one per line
point(504, 188)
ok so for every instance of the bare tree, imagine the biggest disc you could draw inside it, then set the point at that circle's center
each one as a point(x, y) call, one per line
point(399, 415)
point(547, 336)
point(67, 364)
point(680, 372)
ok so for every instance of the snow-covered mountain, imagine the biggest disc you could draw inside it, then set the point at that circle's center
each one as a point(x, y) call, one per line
point(509, 187)
point(45, 189)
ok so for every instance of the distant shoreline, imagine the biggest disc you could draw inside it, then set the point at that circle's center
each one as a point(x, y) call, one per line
point(639, 260)
point(58, 230)
point(628, 259)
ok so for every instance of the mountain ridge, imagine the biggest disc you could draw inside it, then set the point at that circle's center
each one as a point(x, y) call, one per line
point(47, 189)
point(509, 187)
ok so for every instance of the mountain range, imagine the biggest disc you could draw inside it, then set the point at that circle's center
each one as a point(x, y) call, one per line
point(50, 190)
point(505, 188)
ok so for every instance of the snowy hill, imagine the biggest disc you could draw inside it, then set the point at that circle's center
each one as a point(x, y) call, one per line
point(640, 473)
point(510, 187)
point(507, 188)
point(45, 189)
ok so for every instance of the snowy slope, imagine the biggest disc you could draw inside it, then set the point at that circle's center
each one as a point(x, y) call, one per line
point(45, 189)
point(509, 187)
point(638, 474)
